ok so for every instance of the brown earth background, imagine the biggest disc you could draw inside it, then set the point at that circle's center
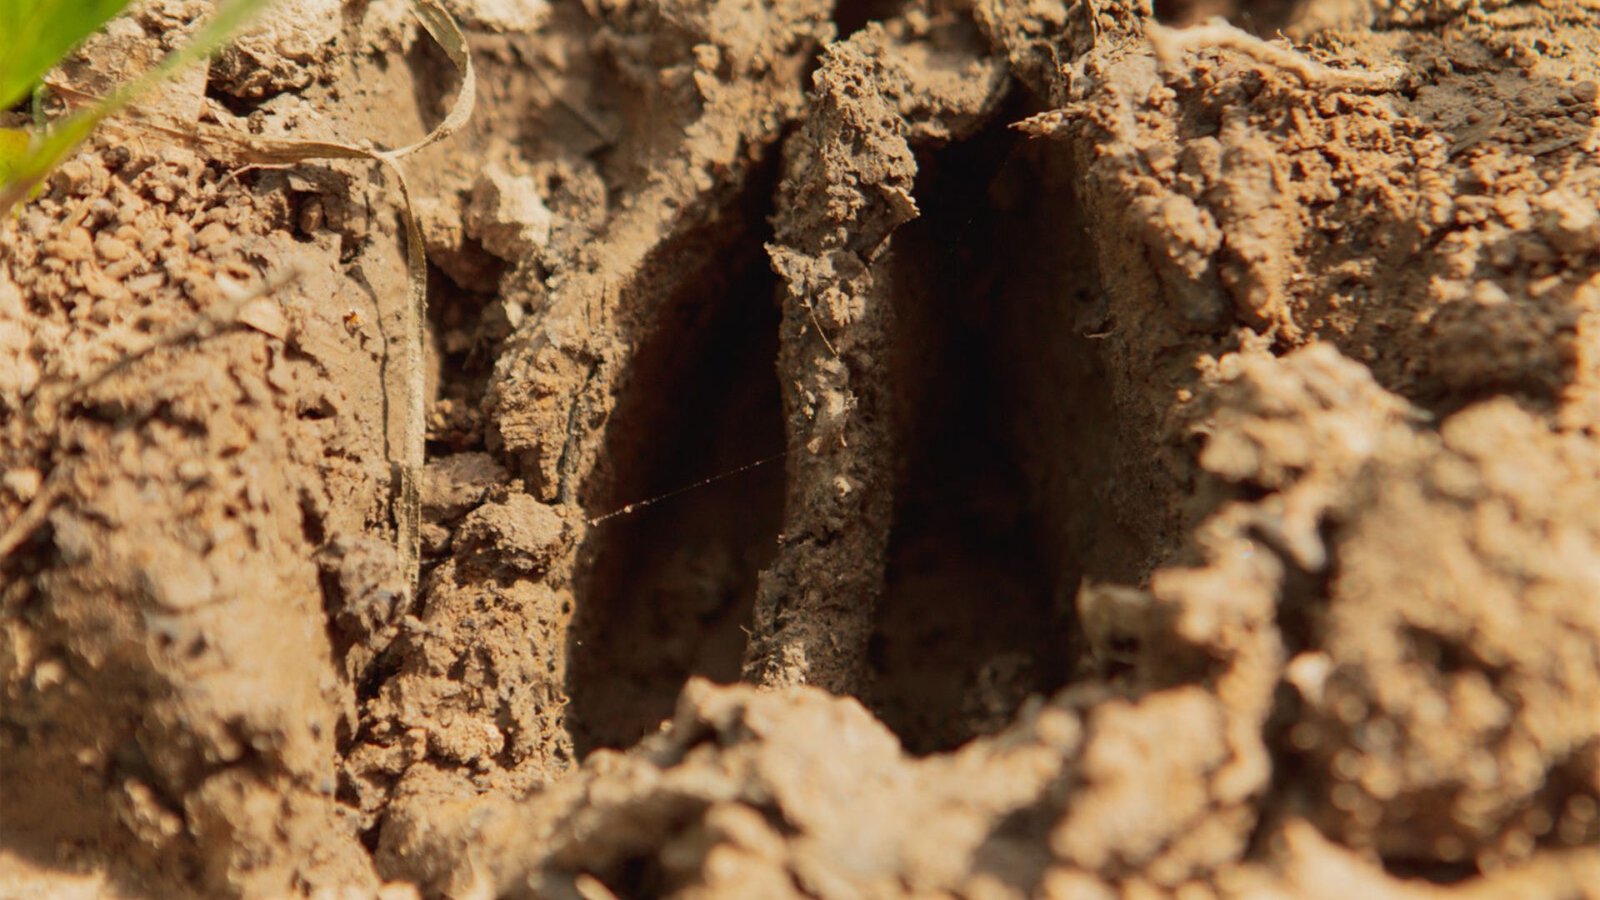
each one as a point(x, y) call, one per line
point(1179, 458)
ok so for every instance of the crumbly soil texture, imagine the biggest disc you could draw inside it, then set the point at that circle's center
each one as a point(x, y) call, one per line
point(949, 448)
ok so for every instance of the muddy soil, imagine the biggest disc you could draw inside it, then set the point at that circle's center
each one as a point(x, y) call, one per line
point(1062, 448)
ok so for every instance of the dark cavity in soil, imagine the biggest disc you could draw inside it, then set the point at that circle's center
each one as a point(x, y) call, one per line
point(669, 588)
point(1005, 435)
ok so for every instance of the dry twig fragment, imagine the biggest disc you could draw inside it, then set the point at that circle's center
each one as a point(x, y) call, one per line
point(1170, 44)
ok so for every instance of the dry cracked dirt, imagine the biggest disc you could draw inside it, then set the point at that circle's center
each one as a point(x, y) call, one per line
point(948, 448)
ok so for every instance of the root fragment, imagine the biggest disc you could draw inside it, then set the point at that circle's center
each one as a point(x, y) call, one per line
point(1170, 44)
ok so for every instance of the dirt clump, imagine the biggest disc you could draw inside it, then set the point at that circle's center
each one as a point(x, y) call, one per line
point(981, 449)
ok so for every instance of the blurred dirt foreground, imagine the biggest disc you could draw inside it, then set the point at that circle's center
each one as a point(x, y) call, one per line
point(1061, 448)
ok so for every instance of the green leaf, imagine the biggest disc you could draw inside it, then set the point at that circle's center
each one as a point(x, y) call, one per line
point(13, 148)
point(43, 151)
point(36, 34)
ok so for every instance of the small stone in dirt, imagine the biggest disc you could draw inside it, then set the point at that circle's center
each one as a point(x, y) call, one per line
point(452, 485)
point(508, 214)
point(520, 531)
point(214, 235)
point(513, 16)
point(266, 316)
point(370, 591)
point(23, 483)
point(1117, 620)
point(111, 249)
point(1570, 222)
point(175, 580)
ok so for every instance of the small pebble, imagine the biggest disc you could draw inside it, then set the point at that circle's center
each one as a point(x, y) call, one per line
point(214, 235)
point(120, 270)
point(78, 245)
point(110, 249)
point(144, 284)
point(75, 173)
point(23, 483)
